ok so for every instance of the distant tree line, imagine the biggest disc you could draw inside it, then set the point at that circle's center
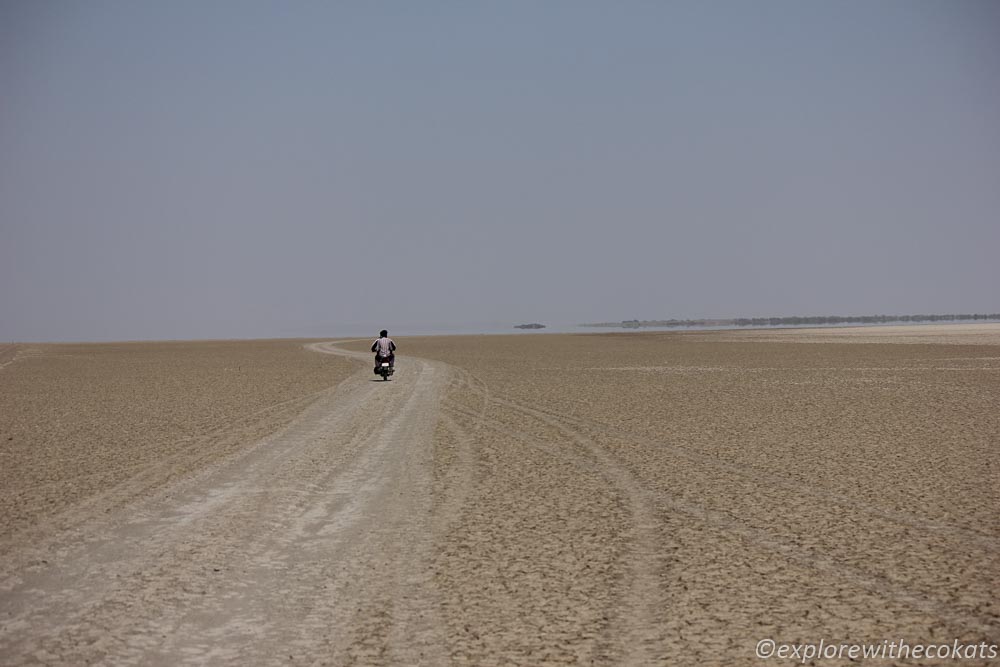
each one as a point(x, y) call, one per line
point(860, 319)
point(799, 320)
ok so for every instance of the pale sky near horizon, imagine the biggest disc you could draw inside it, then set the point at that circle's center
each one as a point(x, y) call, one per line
point(227, 169)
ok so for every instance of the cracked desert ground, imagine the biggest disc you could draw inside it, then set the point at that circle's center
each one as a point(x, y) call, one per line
point(635, 498)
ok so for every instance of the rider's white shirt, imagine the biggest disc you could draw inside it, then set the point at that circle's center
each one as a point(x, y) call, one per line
point(384, 346)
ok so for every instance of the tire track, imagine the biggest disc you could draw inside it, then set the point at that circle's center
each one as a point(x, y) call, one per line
point(633, 634)
point(984, 540)
point(8, 354)
point(314, 541)
point(157, 475)
point(927, 601)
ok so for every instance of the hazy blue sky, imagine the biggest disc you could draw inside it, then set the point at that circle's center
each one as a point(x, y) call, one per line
point(229, 169)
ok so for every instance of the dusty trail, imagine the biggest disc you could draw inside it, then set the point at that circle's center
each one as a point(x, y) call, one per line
point(314, 543)
point(563, 541)
point(7, 354)
point(464, 528)
point(476, 526)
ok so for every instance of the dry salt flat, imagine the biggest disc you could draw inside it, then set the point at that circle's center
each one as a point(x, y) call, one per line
point(638, 498)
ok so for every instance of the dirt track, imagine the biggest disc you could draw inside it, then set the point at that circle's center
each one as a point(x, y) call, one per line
point(638, 499)
point(273, 553)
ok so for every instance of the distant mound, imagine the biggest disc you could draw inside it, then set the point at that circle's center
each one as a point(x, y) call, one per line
point(533, 325)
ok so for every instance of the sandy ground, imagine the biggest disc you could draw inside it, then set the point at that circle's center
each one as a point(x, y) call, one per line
point(651, 498)
point(102, 424)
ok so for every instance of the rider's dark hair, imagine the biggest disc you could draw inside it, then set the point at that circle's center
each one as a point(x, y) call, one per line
point(383, 333)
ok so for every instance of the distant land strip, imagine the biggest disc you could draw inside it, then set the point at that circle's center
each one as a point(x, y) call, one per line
point(797, 320)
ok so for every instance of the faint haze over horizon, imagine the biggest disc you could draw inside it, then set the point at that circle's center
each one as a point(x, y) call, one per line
point(262, 169)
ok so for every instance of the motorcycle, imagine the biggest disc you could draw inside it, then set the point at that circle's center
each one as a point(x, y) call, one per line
point(385, 369)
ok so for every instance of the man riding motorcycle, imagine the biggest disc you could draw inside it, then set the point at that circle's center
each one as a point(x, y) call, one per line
point(384, 349)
